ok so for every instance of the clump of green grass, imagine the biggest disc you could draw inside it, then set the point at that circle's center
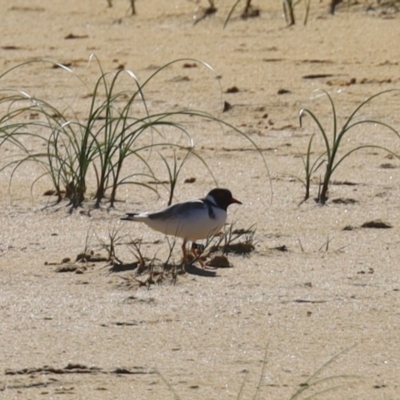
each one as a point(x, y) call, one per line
point(101, 142)
point(118, 126)
point(331, 156)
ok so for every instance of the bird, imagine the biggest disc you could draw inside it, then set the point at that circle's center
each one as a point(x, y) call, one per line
point(190, 220)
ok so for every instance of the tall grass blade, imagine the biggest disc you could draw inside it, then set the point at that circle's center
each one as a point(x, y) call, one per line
point(230, 13)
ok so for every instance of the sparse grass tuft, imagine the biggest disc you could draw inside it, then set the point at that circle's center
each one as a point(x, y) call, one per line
point(314, 387)
point(149, 271)
point(237, 241)
point(333, 143)
point(231, 240)
point(110, 246)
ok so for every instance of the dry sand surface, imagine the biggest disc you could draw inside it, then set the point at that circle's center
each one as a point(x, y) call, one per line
point(276, 317)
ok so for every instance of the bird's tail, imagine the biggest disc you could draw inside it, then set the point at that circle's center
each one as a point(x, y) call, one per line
point(131, 217)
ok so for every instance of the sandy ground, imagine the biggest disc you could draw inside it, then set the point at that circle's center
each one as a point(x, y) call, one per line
point(276, 317)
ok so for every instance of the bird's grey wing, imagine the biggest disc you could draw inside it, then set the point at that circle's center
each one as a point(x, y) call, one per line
point(178, 210)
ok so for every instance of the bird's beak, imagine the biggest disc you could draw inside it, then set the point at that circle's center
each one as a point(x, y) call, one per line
point(235, 201)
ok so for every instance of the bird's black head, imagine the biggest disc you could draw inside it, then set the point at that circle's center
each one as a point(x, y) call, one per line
point(222, 198)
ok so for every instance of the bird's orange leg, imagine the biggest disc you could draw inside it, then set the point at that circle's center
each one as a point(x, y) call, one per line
point(197, 257)
point(184, 250)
